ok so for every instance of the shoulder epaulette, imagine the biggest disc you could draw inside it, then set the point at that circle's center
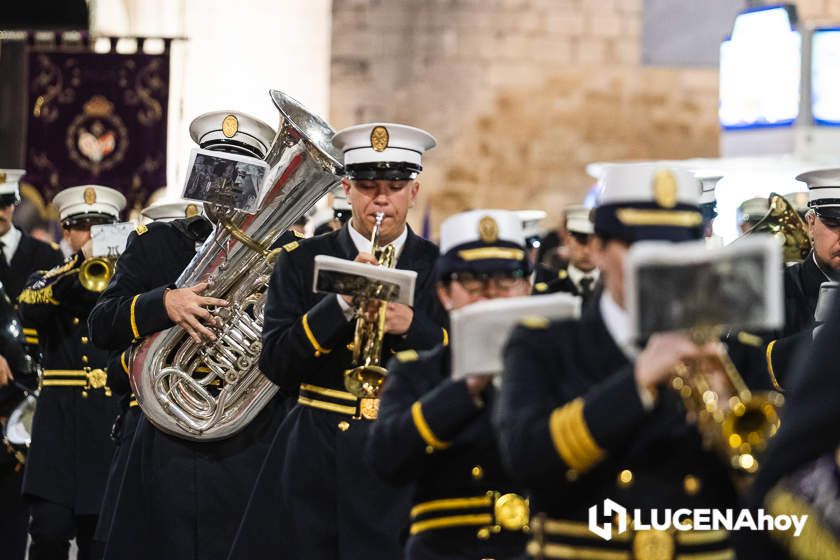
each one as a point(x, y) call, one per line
point(407, 356)
point(749, 339)
point(55, 245)
point(61, 269)
point(141, 229)
point(562, 274)
point(298, 234)
point(535, 322)
point(289, 247)
point(540, 287)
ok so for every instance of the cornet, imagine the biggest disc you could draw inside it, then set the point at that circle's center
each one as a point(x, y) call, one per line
point(366, 378)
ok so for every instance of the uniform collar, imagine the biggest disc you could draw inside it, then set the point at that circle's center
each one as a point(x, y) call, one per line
point(363, 244)
point(617, 321)
point(11, 240)
point(576, 274)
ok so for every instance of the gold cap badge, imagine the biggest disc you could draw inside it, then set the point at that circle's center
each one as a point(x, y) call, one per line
point(488, 229)
point(230, 126)
point(2, 177)
point(90, 195)
point(379, 138)
point(191, 210)
point(665, 188)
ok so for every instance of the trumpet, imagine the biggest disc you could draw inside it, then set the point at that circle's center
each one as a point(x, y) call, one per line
point(739, 426)
point(96, 272)
point(365, 379)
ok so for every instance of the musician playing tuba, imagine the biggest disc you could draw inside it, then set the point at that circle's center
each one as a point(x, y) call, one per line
point(317, 498)
point(585, 413)
point(178, 498)
point(71, 448)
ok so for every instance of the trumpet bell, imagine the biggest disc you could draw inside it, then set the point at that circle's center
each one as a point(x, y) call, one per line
point(365, 381)
point(95, 273)
point(748, 427)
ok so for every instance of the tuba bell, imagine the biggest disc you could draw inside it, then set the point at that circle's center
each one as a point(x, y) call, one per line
point(366, 378)
point(782, 221)
point(210, 391)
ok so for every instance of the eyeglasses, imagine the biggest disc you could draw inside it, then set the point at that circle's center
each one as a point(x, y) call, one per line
point(478, 284)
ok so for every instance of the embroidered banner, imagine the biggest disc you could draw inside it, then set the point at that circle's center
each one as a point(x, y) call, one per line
point(97, 118)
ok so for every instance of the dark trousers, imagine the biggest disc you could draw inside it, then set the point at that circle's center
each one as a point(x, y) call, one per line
point(52, 526)
point(12, 515)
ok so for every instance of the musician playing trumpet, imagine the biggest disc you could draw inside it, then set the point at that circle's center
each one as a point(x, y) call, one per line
point(585, 414)
point(67, 463)
point(317, 498)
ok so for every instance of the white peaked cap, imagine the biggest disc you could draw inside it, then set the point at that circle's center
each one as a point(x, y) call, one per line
point(10, 181)
point(577, 219)
point(481, 226)
point(663, 184)
point(383, 142)
point(89, 199)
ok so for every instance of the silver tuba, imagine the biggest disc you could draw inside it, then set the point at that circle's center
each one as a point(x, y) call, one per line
point(210, 391)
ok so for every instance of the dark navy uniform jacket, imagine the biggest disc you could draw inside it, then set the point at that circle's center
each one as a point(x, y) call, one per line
point(71, 446)
point(176, 498)
point(315, 497)
point(562, 283)
point(802, 289)
point(574, 430)
point(432, 433)
point(31, 255)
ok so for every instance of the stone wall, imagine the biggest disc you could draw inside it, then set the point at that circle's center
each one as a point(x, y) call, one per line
point(521, 94)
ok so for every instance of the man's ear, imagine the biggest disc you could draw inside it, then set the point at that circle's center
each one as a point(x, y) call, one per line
point(415, 188)
point(345, 184)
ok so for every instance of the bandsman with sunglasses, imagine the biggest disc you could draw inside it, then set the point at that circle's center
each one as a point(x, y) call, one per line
point(802, 280)
point(71, 449)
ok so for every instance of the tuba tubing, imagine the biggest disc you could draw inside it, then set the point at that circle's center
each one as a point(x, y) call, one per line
point(211, 391)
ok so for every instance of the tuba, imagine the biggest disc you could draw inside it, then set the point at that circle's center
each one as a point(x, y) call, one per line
point(782, 221)
point(210, 391)
point(739, 428)
point(365, 379)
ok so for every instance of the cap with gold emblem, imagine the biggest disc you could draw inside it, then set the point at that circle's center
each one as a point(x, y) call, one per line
point(89, 203)
point(823, 192)
point(233, 132)
point(648, 201)
point(577, 219)
point(383, 150)
point(168, 210)
point(10, 186)
point(482, 242)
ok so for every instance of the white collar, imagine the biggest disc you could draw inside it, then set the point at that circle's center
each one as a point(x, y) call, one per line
point(617, 321)
point(363, 244)
point(576, 274)
point(11, 240)
point(817, 263)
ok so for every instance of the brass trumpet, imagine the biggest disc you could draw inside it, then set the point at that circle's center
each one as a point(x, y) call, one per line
point(740, 426)
point(366, 378)
point(96, 272)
